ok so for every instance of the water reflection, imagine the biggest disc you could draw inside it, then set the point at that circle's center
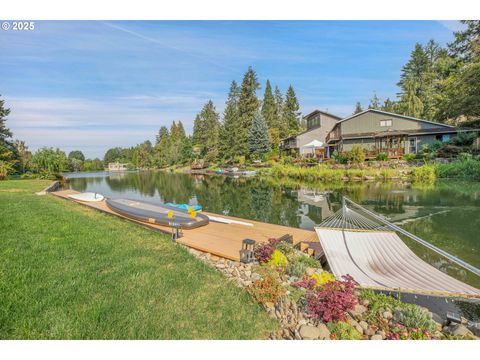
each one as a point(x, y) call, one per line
point(447, 214)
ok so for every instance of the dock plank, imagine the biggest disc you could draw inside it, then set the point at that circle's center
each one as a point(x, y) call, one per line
point(224, 240)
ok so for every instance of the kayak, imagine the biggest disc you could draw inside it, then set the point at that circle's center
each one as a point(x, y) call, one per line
point(87, 197)
point(186, 206)
point(157, 214)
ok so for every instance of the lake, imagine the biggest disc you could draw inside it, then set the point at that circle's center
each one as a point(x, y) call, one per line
point(446, 214)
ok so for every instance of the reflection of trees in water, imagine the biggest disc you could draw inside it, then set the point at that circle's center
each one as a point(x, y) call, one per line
point(174, 187)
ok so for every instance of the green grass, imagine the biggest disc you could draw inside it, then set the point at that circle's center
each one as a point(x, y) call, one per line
point(69, 272)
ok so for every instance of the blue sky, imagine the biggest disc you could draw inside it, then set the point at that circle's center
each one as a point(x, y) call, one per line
point(92, 85)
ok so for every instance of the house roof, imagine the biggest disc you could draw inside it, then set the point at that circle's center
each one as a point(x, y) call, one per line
point(314, 112)
point(393, 114)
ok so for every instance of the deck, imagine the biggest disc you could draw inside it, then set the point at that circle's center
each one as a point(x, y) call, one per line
point(224, 240)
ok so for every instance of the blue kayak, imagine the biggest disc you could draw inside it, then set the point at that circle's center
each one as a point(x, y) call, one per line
point(185, 206)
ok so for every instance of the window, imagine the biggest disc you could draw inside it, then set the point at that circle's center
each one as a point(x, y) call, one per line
point(313, 122)
point(412, 145)
point(385, 123)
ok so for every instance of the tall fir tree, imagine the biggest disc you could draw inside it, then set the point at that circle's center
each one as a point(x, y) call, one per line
point(206, 129)
point(162, 148)
point(270, 115)
point(258, 140)
point(248, 105)
point(358, 108)
point(282, 126)
point(227, 136)
point(291, 112)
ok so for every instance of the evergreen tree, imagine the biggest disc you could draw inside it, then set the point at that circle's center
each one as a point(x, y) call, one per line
point(269, 113)
point(162, 148)
point(374, 102)
point(8, 154)
point(227, 136)
point(466, 45)
point(290, 112)
point(410, 103)
point(206, 129)
point(358, 108)
point(282, 126)
point(258, 141)
point(389, 106)
point(248, 105)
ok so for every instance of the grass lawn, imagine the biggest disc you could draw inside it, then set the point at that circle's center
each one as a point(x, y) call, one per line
point(69, 272)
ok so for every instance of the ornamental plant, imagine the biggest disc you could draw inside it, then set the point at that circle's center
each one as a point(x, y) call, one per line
point(323, 278)
point(277, 259)
point(263, 252)
point(333, 301)
point(401, 332)
point(267, 289)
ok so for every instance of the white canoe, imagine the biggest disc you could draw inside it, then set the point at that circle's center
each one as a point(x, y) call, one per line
point(87, 196)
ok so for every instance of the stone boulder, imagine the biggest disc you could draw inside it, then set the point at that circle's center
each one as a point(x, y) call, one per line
point(308, 332)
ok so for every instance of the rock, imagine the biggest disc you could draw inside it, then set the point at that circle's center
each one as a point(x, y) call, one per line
point(397, 315)
point(459, 330)
point(248, 273)
point(376, 337)
point(324, 332)
point(308, 332)
point(369, 332)
point(365, 303)
point(358, 311)
point(255, 277)
point(382, 333)
point(363, 324)
point(310, 271)
point(387, 315)
point(220, 266)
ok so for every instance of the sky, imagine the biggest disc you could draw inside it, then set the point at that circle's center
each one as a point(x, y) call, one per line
point(93, 85)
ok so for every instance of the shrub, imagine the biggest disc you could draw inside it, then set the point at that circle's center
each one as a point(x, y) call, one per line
point(449, 151)
point(286, 248)
point(464, 139)
point(356, 155)
point(409, 157)
point(400, 332)
point(343, 331)
point(323, 278)
point(424, 174)
point(416, 317)
point(382, 157)
point(6, 168)
point(278, 259)
point(296, 268)
point(267, 289)
point(309, 261)
point(334, 300)
point(287, 160)
point(460, 169)
point(263, 252)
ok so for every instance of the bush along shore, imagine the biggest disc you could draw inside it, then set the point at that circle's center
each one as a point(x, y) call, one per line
point(311, 304)
point(378, 171)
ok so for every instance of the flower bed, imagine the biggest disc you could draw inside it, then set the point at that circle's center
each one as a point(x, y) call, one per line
point(310, 303)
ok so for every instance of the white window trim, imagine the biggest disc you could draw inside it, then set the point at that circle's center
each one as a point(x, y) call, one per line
point(386, 122)
point(416, 145)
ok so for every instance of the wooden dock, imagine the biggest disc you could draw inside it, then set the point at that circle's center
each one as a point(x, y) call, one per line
point(224, 240)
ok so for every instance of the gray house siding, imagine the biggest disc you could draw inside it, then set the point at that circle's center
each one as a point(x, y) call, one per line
point(370, 122)
point(318, 133)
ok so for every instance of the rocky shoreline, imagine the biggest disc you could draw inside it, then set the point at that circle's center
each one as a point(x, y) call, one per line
point(296, 324)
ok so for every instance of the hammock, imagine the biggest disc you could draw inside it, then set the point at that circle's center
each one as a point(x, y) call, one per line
point(365, 247)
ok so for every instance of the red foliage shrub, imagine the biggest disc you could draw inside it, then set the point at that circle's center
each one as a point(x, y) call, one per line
point(263, 252)
point(268, 289)
point(308, 284)
point(333, 301)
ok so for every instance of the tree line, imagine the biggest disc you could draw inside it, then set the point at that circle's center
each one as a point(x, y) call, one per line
point(439, 83)
point(248, 128)
point(16, 158)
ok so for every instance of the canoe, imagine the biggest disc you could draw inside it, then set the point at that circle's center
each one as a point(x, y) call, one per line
point(185, 206)
point(87, 197)
point(156, 214)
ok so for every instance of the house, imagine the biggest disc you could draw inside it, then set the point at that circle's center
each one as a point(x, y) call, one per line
point(319, 125)
point(383, 132)
point(116, 166)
